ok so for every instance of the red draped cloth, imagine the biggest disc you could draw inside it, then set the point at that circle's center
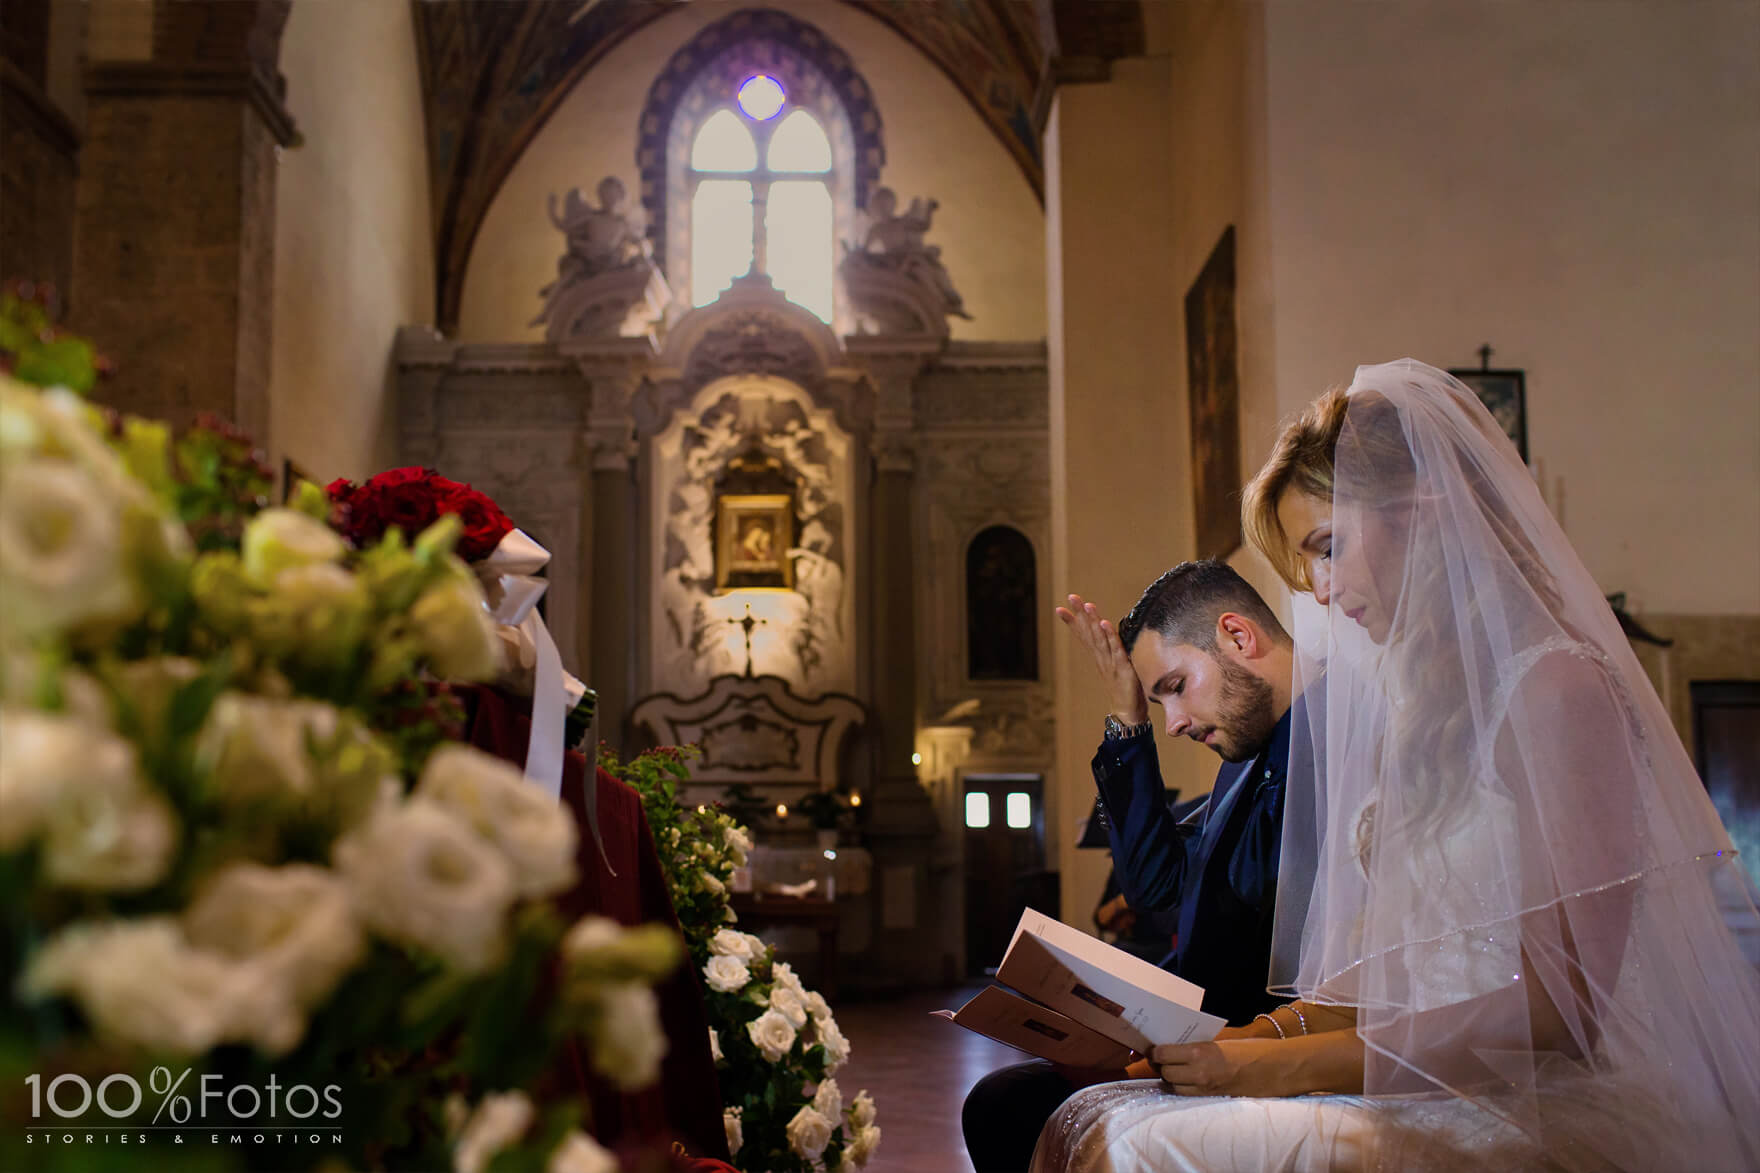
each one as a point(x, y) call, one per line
point(685, 1106)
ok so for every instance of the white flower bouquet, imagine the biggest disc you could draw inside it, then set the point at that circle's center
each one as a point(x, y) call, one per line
point(776, 1044)
point(228, 852)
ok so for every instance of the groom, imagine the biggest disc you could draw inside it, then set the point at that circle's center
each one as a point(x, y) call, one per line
point(1203, 645)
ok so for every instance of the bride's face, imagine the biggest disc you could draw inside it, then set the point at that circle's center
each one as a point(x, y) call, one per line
point(1352, 555)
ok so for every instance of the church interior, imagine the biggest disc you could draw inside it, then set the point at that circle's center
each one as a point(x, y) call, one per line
point(828, 345)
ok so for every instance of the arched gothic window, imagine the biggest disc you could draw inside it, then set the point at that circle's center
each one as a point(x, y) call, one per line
point(760, 176)
point(758, 142)
point(1002, 632)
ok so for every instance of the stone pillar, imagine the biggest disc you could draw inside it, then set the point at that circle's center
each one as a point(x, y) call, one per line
point(610, 552)
point(1120, 451)
point(38, 151)
point(174, 253)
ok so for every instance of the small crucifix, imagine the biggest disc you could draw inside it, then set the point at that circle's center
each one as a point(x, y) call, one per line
point(746, 624)
point(1485, 352)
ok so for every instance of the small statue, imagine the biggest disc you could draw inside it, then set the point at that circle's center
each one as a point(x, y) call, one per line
point(599, 238)
point(603, 242)
point(894, 244)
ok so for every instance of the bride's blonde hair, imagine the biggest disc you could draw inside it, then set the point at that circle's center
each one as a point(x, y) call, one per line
point(1301, 461)
point(1428, 676)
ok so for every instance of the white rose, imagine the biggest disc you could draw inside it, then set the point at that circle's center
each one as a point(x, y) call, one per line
point(580, 1153)
point(457, 632)
point(140, 983)
point(419, 876)
point(816, 1005)
point(42, 757)
point(731, 943)
point(628, 1039)
point(861, 1110)
point(828, 1100)
point(277, 539)
point(500, 1120)
point(726, 974)
point(317, 614)
point(771, 1034)
point(293, 923)
point(255, 747)
point(861, 1149)
point(756, 946)
point(782, 973)
point(808, 1134)
point(119, 839)
point(788, 1004)
point(715, 1046)
point(63, 560)
point(836, 1046)
point(534, 832)
point(730, 1121)
point(738, 843)
point(713, 886)
point(77, 785)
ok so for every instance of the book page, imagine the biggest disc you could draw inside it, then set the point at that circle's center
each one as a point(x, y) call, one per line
point(1132, 968)
point(1136, 1004)
point(1008, 1018)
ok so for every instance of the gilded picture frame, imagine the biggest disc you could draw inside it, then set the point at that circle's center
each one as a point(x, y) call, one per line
point(753, 534)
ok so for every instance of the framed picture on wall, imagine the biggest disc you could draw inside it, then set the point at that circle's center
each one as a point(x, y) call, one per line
point(1504, 394)
point(1214, 384)
point(753, 534)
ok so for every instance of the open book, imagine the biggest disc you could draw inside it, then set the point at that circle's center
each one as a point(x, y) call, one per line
point(1085, 1003)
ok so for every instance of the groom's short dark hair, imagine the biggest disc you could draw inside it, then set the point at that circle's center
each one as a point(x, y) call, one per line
point(1185, 603)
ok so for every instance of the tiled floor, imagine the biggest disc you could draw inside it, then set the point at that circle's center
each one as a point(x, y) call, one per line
point(918, 1069)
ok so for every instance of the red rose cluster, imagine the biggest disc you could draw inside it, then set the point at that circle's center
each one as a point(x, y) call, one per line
point(412, 499)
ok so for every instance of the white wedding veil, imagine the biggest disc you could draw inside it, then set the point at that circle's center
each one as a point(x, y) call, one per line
point(1513, 860)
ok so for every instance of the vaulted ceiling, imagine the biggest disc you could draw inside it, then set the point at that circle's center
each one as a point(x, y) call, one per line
point(494, 70)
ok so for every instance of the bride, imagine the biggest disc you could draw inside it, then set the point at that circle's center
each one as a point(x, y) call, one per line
point(1511, 954)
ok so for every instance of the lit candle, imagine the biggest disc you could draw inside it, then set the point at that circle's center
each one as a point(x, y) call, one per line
point(782, 810)
point(855, 798)
point(916, 759)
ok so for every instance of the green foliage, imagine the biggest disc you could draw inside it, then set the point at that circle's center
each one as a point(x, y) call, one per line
point(34, 351)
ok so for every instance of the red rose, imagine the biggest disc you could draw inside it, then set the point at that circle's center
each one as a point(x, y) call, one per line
point(484, 523)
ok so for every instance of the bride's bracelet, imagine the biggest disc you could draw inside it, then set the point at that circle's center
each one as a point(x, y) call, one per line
point(1275, 1025)
point(1300, 1017)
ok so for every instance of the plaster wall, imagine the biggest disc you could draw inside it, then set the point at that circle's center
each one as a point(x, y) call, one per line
point(1576, 184)
point(353, 254)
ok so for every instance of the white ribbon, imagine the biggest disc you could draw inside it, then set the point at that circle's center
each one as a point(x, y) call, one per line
point(512, 590)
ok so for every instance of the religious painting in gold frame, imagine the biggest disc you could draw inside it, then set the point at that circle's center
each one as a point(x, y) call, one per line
point(753, 534)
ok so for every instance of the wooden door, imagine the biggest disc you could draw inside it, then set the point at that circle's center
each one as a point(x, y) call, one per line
point(1004, 862)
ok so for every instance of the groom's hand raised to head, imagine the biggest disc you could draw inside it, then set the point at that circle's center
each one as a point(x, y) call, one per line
point(1123, 690)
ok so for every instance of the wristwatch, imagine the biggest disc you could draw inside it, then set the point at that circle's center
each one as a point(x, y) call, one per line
point(1117, 730)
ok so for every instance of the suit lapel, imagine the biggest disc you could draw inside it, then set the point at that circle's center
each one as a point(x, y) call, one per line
point(1222, 801)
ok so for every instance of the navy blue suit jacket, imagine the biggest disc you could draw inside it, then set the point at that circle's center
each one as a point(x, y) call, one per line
point(1217, 867)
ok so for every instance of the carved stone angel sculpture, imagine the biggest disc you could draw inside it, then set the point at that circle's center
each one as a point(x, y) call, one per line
point(608, 260)
point(893, 248)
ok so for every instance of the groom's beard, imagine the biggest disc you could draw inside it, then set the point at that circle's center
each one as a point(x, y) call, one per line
point(1245, 717)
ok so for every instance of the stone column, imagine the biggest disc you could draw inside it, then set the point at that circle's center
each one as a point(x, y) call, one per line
point(610, 552)
point(174, 253)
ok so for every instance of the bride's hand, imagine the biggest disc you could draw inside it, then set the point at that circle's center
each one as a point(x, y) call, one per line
point(1228, 1067)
